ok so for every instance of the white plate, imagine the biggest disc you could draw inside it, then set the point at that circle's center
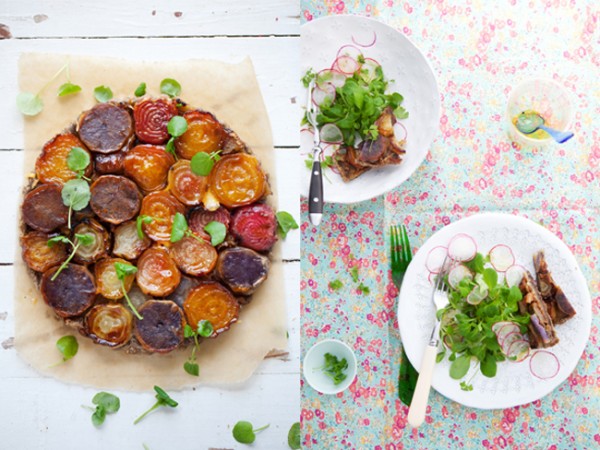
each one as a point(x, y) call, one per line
point(412, 77)
point(514, 384)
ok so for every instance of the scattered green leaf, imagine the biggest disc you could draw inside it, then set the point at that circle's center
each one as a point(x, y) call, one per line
point(29, 104)
point(76, 194)
point(78, 160)
point(460, 367)
point(68, 88)
point(103, 94)
point(170, 87)
point(202, 163)
point(244, 433)
point(80, 239)
point(192, 368)
point(205, 328)
point(335, 285)
point(179, 227)
point(285, 223)
point(141, 219)
point(294, 441)
point(123, 270)
point(68, 347)
point(177, 126)
point(162, 399)
point(106, 403)
point(217, 232)
point(140, 90)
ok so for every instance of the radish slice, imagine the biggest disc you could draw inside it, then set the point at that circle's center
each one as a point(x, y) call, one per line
point(457, 274)
point(325, 92)
point(501, 329)
point(514, 274)
point(501, 257)
point(331, 133)
point(544, 364)
point(509, 340)
point(462, 247)
point(436, 258)
point(350, 50)
point(331, 76)
point(346, 64)
point(476, 296)
point(400, 132)
point(370, 43)
point(518, 350)
point(368, 69)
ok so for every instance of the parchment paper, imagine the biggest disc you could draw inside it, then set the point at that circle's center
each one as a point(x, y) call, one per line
point(231, 92)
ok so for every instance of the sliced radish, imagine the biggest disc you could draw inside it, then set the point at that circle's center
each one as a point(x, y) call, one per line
point(346, 64)
point(331, 76)
point(400, 132)
point(331, 133)
point(324, 92)
point(500, 325)
point(518, 350)
point(462, 247)
point(350, 50)
point(501, 257)
point(368, 69)
point(544, 364)
point(436, 258)
point(509, 339)
point(514, 274)
point(457, 274)
point(369, 43)
point(476, 296)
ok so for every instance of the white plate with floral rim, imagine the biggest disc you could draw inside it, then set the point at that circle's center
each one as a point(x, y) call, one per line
point(408, 73)
point(514, 383)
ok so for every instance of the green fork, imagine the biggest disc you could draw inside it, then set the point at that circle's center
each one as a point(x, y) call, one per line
point(401, 256)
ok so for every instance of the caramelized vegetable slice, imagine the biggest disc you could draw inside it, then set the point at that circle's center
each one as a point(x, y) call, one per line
point(185, 184)
point(162, 207)
point(237, 180)
point(115, 199)
point(185, 286)
point(71, 293)
point(157, 273)
point(151, 117)
point(51, 166)
point(211, 301)
point(232, 143)
point(38, 255)
point(96, 250)
point(43, 208)
point(200, 217)
point(105, 128)
point(161, 330)
point(127, 243)
point(255, 226)
point(109, 325)
point(204, 134)
point(109, 163)
point(193, 256)
point(242, 269)
point(148, 166)
point(109, 285)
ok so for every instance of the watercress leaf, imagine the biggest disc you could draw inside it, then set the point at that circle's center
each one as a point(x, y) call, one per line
point(78, 159)
point(285, 223)
point(205, 328)
point(138, 223)
point(85, 239)
point(170, 147)
point(67, 89)
point(308, 77)
point(67, 346)
point(335, 368)
point(294, 441)
point(460, 367)
point(177, 126)
point(179, 227)
point(440, 356)
point(108, 401)
point(140, 90)
point(170, 87)
point(188, 331)
point(490, 276)
point(192, 368)
point(124, 269)
point(56, 239)
point(401, 113)
point(243, 432)
point(488, 366)
point(335, 285)
point(163, 397)
point(514, 294)
point(98, 416)
point(217, 232)
point(201, 164)
point(465, 386)
point(76, 194)
point(29, 104)
point(103, 94)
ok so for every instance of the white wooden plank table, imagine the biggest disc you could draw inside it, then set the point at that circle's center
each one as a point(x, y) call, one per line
point(38, 412)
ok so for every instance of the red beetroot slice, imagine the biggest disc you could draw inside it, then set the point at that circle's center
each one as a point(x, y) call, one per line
point(255, 226)
point(200, 217)
point(151, 118)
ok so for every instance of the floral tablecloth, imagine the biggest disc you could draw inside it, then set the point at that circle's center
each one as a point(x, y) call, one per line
point(479, 51)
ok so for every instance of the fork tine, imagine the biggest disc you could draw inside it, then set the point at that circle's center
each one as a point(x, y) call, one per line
point(406, 251)
point(439, 281)
point(394, 244)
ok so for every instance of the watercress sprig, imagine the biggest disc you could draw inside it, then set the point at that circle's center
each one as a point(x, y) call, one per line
point(170, 87)
point(202, 163)
point(285, 223)
point(68, 347)
point(68, 88)
point(141, 219)
point(334, 368)
point(78, 160)
point(84, 239)
point(103, 93)
point(123, 270)
point(140, 90)
point(162, 399)
point(204, 329)
point(176, 127)
point(180, 229)
point(244, 432)
point(106, 403)
point(76, 195)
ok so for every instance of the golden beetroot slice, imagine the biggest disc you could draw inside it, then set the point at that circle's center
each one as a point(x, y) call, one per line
point(127, 244)
point(242, 269)
point(204, 134)
point(105, 128)
point(43, 208)
point(200, 217)
point(185, 185)
point(109, 324)
point(40, 256)
point(237, 180)
point(194, 256)
point(98, 249)
point(151, 117)
point(115, 199)
point(71, 293)
point(255, 226)
point(107, 281)
point(51, 166)
point(161, 207)
point(148, 166)
point(161, 329)
point(157, 273)
point(213, 302)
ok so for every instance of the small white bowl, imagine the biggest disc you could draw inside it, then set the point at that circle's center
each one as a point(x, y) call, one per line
point(314, 360)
